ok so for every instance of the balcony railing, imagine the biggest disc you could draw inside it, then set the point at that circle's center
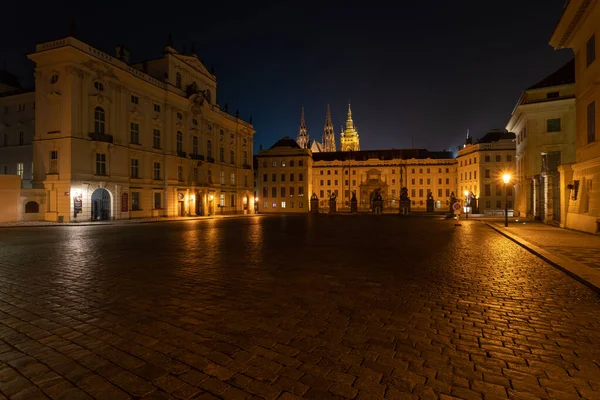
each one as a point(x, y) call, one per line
point(182, 154)
point(247, 166)
point(197, 157)
point(100, 137)
point(210, 159)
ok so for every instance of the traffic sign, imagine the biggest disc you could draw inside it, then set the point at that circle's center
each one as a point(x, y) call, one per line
point(456, 206)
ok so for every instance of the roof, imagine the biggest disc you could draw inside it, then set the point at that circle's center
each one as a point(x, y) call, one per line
point(563, 76)
point(286, 142)
point(388, 154)
point(494, 136)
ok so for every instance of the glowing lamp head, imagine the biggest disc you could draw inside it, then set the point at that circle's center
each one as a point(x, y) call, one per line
point(506, 178)
point(256, 199)
point(466, 192)
point(210, 197)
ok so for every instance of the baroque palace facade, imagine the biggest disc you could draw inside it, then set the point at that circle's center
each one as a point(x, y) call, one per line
point(115, 140)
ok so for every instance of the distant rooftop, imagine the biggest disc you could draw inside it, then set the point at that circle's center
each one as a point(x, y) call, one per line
point(563, 76)
point(387, 154)
point(286, 142)
point(496, 135)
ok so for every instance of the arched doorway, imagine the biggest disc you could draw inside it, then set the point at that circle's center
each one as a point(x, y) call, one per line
point(100, 205)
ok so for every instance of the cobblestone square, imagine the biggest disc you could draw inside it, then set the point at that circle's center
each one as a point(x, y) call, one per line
point(320, 307)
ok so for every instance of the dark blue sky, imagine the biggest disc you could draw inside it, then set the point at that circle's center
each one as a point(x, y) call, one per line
point(424, 72)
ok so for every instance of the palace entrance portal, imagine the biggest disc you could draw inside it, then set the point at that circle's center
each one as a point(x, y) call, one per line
point(100, 205)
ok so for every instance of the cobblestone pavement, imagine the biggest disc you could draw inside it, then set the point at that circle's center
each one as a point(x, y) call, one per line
point(319, 307)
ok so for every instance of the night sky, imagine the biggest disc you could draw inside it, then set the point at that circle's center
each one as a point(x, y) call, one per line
point(414, 73)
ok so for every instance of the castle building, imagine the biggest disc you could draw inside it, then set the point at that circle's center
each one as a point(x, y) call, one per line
point(288, 175)
point(480, 169)
point(544, 123)
point(579, 29)
point(117, 140)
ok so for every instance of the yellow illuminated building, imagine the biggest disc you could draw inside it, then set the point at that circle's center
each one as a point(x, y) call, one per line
point(579, 30)
point(480, 169)
point(116, 140)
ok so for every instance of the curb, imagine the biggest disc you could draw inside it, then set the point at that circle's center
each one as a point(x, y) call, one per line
point(124, 222)
point(575, 270)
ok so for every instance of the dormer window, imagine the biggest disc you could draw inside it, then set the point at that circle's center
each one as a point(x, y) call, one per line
point(99, 86)
point(157, 107)
point(54, 79)
point(178, 80)
point(135, 99)
point(179, 115)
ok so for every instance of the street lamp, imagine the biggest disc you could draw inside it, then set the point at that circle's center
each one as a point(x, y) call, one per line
point(506, 179)
point(467, 203)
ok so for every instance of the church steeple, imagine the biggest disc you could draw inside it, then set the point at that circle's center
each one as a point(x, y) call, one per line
point(302, 138)
point(469, 138)
point(328, 133)
point(349, 138)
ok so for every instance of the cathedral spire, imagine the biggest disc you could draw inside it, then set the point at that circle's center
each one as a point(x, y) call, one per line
point(349, 122)
point(328, 133)
point(302, 138)
point(349, 140)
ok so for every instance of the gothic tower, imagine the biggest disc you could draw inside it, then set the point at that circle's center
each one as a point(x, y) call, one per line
point(302, 138)
point(349, 140)
point(328, 134)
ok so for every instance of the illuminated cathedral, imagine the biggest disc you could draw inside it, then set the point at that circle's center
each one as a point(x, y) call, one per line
point(349, 140)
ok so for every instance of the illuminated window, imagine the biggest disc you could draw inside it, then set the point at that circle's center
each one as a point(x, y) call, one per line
point(283, 204)
point(222, 199)
point(233, 178)
point(274, 204)
point(20, 169)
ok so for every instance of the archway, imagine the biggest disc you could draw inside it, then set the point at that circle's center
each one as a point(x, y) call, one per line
point(32, 207)
point(100, 205)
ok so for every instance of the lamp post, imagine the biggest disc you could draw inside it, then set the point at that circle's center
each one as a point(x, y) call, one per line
point(506, 179)
point(466, 204)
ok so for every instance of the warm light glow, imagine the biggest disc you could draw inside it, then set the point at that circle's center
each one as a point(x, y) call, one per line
point(256, 199)
point(211, 197)
point(506, 178)
point(466, 192)
point(192, 197)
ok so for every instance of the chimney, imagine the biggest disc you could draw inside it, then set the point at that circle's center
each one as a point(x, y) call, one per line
point(123, 54)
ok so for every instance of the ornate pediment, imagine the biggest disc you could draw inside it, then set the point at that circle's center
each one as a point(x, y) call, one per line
point(196, 64)
point(101, 69)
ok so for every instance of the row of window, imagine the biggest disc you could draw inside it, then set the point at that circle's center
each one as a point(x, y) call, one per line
point(487, 159)
point(21, 139)
point(422, 193)
point(284, 204)
point(487, 190)
point(428, 170)
point(282, 163)
point(21, 107)
point(413, 181)
point(157, 203)
point(20, 169)
point(283, 177)
point(134, 138)
point(283, 191)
